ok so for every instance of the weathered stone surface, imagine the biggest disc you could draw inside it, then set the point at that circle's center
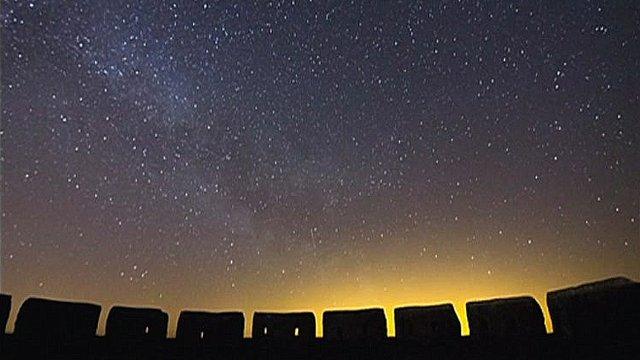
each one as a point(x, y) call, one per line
point(136, 324)
point(437, 322)
point(53, 320)
point(210, 328)
point(607, 309)
point(516, 317)
point(301, 325)
point(5, 309)
point(366, 324)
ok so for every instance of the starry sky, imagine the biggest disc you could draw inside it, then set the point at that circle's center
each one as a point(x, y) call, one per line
point(307, 155)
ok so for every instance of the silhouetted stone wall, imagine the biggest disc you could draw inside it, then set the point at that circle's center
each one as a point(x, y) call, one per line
point(278, 326)
point(5, 309)
point(52, 320)
point(136, 324)
point(210, 328)
point(515, 317)
point(364, 324)
point(604, 312)
point(608, 309)
point(430, 323)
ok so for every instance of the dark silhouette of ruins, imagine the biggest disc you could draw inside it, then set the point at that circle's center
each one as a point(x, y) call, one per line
point(517, 317)
point(283, 326)
point(598, 310)
point(56, 321)
point(206, 328)
point(427, 323)
point(5, 309)
point(599, 320)
point(349, 325)
point(127, 324)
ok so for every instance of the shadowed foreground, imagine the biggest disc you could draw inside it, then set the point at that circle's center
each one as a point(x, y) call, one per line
point(599, 320)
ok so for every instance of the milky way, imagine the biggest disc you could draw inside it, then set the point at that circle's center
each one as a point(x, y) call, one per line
point(314, 155)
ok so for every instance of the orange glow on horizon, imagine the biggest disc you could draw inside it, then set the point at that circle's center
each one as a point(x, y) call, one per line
point(342, 285)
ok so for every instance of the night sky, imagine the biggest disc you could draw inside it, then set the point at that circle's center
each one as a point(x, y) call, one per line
point(312, 155)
